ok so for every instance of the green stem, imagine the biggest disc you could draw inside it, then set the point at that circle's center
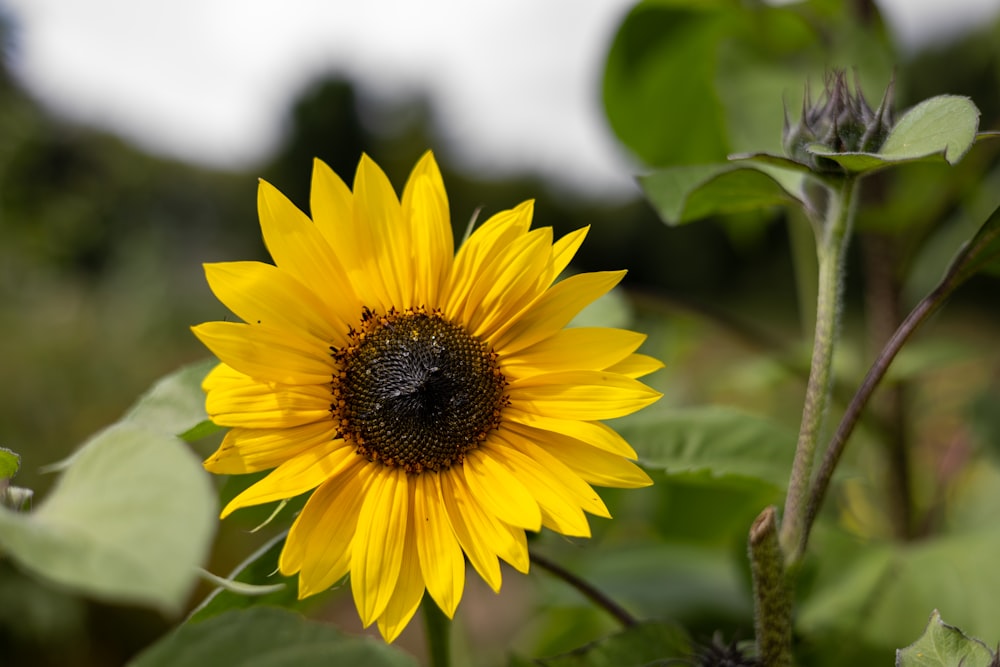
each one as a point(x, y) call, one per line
point(923, 310)
point(981, 251)
point(831, 248)
point(586, 589)
point(438, 631)
point(772, 601)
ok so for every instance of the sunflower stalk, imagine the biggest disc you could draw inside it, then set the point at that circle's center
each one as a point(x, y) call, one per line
point(772, 601)
point(832, 238)
point(437, 628)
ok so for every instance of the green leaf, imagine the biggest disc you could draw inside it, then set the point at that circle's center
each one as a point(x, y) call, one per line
point(130, 520)
point(943, 645)
point(10, 463)
point(940, 127)
point(880, 592)
point(659, 90)
point(945, 124)
point(655, 579)
point(638, 646)
point(720, 440)
point(175, 405)
point(267, 637)
point(684, 194)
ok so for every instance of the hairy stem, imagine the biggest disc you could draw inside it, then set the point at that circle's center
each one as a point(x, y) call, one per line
point(979, 252)
point(586, 589)
point(832, 238)
point(771, 598)
point(875, 374)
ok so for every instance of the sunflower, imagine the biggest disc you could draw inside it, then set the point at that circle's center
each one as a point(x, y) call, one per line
point(434, 402)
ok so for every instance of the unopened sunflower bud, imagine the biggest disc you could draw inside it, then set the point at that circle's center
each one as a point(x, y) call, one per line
point(841, 121)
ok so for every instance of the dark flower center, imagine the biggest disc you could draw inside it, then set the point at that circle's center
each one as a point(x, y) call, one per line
point(416, 391)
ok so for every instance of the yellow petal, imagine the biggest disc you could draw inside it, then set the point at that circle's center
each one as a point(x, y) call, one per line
point(350, 236)
point(580, 348)
point(425, 203)
point(266, 355)
point(220, 375)
point(593, 465)
point(587, 395)
point(409, 589)
point(524, 440)
point(499, 492)
point(257, 405)
point(560, 508)
point(377, 551)
point(496, 536)
point(319, 541)
point(264, 295)
point(331, 203)
point(481, 247)
point(298, 247)
point(376, 206)
point(565, 249)
point(636, 366)
point(245, 450)
point(302, 473)
point(481, 552)
point(594, 433)
point(432, 243)
point(511, 281)
point(553, 310)
point(441, 559)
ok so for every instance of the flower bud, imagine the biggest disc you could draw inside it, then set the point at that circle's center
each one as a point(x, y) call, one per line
point(841, 121)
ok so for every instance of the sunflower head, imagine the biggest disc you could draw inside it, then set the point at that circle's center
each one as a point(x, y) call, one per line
point(433, 402)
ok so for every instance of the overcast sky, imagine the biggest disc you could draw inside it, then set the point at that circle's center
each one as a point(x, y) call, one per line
point(210, 80)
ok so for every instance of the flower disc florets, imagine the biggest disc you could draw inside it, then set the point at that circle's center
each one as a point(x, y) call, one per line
point(840, 121)
point(415, 391)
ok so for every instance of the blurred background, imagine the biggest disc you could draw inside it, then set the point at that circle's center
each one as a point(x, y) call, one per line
point(132, 135)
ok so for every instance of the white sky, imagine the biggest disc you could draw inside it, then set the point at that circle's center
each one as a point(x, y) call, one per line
point(515, 84)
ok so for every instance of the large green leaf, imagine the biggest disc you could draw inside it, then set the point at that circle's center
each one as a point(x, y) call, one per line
point(718, 440)
point(654, 579)
point(267, 637)
point(638, 646)
point(689, 81)
point(658, 82)
point(176, 403)
point(944, 645)
point(881, 592)
point(130, 520)
point(685, 194)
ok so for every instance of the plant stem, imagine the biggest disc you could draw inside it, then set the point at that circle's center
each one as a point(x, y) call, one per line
point(586, 589)
point(923, 310)
point(437, 627)
point(832, 237)
point(771, 599)
point(983, 249)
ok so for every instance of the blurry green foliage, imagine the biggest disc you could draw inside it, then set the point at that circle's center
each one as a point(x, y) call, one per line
point(100, 247)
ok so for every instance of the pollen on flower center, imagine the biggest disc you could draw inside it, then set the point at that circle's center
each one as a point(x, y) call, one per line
point(416, 391)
